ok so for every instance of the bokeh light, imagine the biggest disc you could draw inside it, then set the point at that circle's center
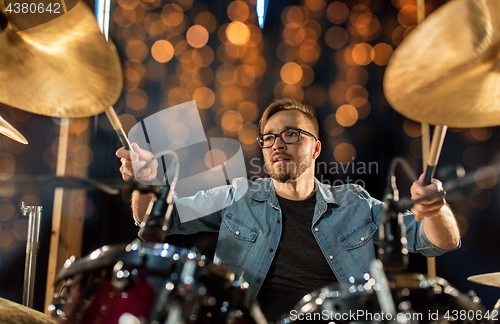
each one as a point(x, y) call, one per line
point(344, 153)
point(346, 115)
point(337, 12)
point(486, 177)
point(291, 73)
point(82, 156)
point(238, 33)
point(7, 210)
point(7, 166)
point(231, 121)
point(336, 37)
point(162, 51)
point(204, 97)
point(136, 50)
point(411, 128)
point(20, 229)
point(197, 36)
point(238, 11)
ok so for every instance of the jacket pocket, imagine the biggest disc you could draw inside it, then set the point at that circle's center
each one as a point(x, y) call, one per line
point(359, 244)
point(236, 238)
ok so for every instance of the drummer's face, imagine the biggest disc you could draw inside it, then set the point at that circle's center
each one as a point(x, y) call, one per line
point(287, 162)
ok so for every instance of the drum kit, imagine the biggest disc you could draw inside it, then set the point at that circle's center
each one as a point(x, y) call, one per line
point(446, 72)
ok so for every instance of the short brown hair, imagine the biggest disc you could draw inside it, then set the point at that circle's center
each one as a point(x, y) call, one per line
point(289, 104)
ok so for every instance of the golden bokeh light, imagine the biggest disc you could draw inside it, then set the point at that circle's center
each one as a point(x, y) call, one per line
point(31, 200)
point(123, 17)
point(249, 111)
point(337, 12)
point(309, 52)
point(7, 166)
point(346, 115)
point(331, 125)
point(361, 54)
point(337, 92)
point(282, 89)
point(293, 17)
point(235, 51)
point(128, 4)
point(206, 54)
point(231, 121)
point(294, 36)
point(204, 97)
point(136, 51)
point(363, 109)
point(244, 75)
point(344, 153)
point(407, 16)
point(481, 134)
point(136, 99)
point(132, 79)
point(162, 51)
point(177, 96)
point(291, 73)
point(307, 75)
point(356, 91)
point(397, 35)
point(315, 5)
point(215, 159)
point(238, 33)
point(207, 20)
point(184, 4)
point(238, 11)
point(197, 36)
point(336, 37)
point(381, 54)
point(172, 15)
point(82, 156)
point(248, 133)
point(411, 128)
point(178, 133)
point(357, 75)
point(127, 121)
point(225, 74)
point(78, 125)
point(6, 238)
point(486, 177)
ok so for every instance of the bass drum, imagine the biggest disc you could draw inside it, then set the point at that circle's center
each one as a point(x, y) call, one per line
point(415, 298)
point(150, 283)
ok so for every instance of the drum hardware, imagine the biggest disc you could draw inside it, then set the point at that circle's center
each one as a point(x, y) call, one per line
point(32, 248)
point(9, 131)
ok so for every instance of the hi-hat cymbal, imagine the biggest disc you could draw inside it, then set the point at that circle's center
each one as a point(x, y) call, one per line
point(12, 313)
point(447, 71)
point(62, 68)
point(490, 279)
point(9, 131)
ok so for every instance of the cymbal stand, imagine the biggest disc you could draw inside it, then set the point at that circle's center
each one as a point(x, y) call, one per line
point(32, 248)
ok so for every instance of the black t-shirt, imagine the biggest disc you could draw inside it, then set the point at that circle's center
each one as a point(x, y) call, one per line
point(299, 267)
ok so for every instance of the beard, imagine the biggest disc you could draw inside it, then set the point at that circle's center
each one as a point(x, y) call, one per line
point(290, 170)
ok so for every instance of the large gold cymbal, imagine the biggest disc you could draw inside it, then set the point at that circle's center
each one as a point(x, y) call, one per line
point(447, 71)
point(9, 131)
point(490, 279)
point(62, 68)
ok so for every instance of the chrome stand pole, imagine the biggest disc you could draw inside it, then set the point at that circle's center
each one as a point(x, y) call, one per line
point(32, 248)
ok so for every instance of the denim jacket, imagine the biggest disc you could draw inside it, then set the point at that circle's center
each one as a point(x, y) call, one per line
point(344, 224)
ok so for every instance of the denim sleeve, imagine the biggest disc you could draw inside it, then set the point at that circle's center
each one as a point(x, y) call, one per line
point(415, 235)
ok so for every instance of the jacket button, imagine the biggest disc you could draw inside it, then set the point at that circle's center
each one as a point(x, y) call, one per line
point(316, 229)
point(258, 280)
point(237, 232)
point(278, 221)
point(362, 238)
point(331, 257)
point(271, 250)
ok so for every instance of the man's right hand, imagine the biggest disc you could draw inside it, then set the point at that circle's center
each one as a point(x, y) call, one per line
point(134, 161)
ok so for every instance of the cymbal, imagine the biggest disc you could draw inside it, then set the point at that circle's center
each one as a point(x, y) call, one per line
point(447, 71)
point(61, 68)
point(490, 279)
point(13, 313)
point(9, 131)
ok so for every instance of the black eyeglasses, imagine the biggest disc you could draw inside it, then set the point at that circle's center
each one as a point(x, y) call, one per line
point(289, 136)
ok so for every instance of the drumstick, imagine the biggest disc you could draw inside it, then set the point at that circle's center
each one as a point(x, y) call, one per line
point(437, 145)
point(117, 126)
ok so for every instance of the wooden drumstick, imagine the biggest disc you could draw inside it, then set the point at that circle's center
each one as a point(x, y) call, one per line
point(117, 126)
point(437, 145)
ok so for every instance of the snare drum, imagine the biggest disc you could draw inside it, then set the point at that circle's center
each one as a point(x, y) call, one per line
point(417, 299)
point(150, 283)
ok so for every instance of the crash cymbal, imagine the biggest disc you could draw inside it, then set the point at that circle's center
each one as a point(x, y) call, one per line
point(490, 279)
point(9, 131)
point(61, 68)
point(447, 71)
